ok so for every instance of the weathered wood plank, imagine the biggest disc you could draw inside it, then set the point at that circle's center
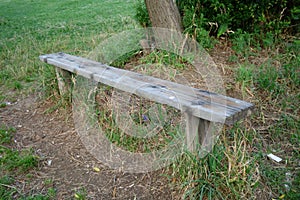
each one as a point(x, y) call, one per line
point(199, 103)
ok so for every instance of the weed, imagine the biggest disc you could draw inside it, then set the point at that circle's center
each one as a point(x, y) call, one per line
point(122, 60)
point(142, 15)
point(51, 193)
point(6, 134)
point(16, 160)
point(244, 77)
point(280, 80)
point(244, 44)
point(80, 194)
point(275, 80)
point(284, 181)
point(6, 191)
point(268, 79)
point(162, 57)
point(17, 85)
point(13, 162)
point(141, 117)
point(223, 174)
point(244, 74)
point(3, 105)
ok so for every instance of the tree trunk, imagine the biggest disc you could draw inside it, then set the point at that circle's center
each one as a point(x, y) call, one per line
point(166, 32)
point(164, 14)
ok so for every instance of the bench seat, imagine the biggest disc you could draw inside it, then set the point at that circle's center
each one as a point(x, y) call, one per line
point(201, 107)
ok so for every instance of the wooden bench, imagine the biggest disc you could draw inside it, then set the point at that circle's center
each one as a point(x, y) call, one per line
point(200, 107)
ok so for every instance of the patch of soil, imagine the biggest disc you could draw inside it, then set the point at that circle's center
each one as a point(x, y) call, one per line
point(66, 165)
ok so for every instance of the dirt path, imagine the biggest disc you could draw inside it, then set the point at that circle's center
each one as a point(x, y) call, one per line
point(65, 164)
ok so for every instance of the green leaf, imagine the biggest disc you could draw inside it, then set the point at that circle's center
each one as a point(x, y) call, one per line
point(223, 28)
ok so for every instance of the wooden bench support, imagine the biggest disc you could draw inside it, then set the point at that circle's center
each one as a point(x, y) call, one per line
point(201, 108)
point(196, 131)
point(64, 81)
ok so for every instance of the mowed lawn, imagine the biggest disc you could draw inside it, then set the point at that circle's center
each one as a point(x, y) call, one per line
point(31, 28)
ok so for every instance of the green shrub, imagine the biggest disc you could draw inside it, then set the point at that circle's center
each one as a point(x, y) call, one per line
point(219, 16)
point(263, 21)
point(141, 13)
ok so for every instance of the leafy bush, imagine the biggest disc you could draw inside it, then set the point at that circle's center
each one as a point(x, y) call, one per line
point(262, 20)
point(141, 14)
point(219, 16)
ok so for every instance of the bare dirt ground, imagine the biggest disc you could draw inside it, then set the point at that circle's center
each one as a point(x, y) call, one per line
point(66, 165)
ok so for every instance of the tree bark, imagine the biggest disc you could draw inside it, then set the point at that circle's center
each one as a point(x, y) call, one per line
point(164, 14)
point(166, 32)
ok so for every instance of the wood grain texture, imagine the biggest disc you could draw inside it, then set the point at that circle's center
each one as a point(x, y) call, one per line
point(195, 102)
point(64, 81)
point(192, 132)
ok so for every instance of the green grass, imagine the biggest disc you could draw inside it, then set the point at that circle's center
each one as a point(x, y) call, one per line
point(15, 162)
point(237, 168)
point(6, 134)
point(154, 125)
point(32, 28)
point(80, 194)
point(228, 172)
point(164, 58)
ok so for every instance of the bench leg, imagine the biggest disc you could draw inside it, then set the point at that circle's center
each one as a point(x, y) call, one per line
point(64, 82)
point(196, 130)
